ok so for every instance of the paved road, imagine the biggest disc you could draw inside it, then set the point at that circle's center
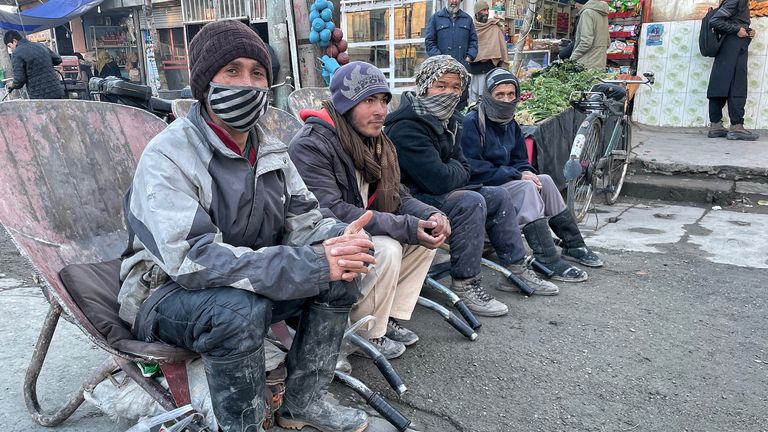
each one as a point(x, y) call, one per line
point(669, 336)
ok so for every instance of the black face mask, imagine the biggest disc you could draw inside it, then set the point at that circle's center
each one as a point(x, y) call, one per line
point(482, 17)
point(499, 111)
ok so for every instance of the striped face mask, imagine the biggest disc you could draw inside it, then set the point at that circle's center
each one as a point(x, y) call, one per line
point(239, 107)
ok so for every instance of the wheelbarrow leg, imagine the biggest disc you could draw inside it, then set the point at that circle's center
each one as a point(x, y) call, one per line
point(452, 319)
point(456, 301)
point(36, 365)
point(158, 393)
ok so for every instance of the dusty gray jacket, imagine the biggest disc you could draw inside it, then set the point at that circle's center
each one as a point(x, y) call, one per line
point(329, 173)
point(201, 215)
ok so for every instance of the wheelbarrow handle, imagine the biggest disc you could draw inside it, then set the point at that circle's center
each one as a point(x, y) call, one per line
point(374, 399)
point(468, 316)
point(381, 363)
point(454, 321)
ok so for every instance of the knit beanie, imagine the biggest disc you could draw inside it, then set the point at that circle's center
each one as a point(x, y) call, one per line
point(354, 82)
point(499, 76)
point(581, 1)
point(480, 5)
point(217, 44)
point(436, 66)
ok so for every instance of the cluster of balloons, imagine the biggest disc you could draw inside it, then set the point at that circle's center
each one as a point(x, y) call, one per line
point(324, 32)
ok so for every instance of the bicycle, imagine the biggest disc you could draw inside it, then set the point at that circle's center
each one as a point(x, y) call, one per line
point(585, 173)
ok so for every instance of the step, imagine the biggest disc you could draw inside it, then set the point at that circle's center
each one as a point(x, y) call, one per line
point(705, 189)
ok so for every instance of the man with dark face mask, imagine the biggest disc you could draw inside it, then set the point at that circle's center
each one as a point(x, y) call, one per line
point(492, 49)
point(451, 31)
point(495, 148)
point(426, 130)
point(225, 238)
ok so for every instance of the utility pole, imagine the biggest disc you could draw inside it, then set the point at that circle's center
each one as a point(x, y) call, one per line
point(530, 15)
point(5, 60)
point(278, 39)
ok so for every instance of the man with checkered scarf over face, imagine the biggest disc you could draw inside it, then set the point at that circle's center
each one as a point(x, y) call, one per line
point(426, 130)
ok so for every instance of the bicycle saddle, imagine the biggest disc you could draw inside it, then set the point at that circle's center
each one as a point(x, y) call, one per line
point(612, 91)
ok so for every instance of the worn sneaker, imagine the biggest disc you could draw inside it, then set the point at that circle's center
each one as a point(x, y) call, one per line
point(738, 132)
point(540, 286)
point(477, 299)
point(717, 130)
point(583, 255)
point(398, 333)
point(389, 348)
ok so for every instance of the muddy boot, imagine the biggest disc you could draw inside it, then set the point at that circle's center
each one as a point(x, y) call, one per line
point(738, 132)
point(540, 240)
point(237, 391)
point(717, 130)
point(311, 363)
point(574, 248)
point(476, 298)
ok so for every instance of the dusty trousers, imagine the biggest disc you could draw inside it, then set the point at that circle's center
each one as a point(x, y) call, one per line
point(392, 286)
point(532, 204)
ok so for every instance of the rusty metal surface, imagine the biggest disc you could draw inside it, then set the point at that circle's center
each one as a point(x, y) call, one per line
point(63, 162)
point(280, 124)
point(307, 97)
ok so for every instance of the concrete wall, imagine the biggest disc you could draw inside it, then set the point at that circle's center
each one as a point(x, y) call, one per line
point(679, 98)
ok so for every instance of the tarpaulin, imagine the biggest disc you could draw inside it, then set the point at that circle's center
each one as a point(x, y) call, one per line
point(44, 16)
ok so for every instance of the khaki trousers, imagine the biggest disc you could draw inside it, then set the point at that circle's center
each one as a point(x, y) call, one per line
point(392, 286)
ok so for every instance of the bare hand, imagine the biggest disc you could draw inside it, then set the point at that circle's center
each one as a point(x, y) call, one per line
point(742, 33)
point(443, 224)
point(529, 176)
point(427, 237)
point(350, 254)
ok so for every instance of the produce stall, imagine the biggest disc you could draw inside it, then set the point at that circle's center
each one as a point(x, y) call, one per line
point(546, 117)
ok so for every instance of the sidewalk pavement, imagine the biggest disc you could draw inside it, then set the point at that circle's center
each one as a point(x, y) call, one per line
point(683, 164)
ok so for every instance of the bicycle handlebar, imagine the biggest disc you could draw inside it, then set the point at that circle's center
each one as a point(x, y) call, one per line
point(649, 79)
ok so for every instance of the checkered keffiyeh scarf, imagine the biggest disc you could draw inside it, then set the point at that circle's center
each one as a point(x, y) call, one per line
point(436, 66)
point(440, 105)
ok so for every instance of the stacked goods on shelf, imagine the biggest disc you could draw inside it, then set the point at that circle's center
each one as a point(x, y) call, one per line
point(625, 23)
point(758, 8)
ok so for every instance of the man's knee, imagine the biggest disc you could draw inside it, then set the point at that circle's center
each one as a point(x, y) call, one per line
point(467, 206)
point(236, 322)
point(388, 253)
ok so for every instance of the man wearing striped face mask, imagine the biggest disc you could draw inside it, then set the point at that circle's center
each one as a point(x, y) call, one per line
point(225, 239)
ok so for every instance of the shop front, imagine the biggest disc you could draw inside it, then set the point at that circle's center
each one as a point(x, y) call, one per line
point(170, 53)
point(669, 48)
point(112, 42)
point(388, 34)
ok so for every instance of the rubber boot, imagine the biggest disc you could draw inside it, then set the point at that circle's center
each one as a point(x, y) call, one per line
point(237, 391)
point(540, 240)
point(311, 364)
point(574, 248)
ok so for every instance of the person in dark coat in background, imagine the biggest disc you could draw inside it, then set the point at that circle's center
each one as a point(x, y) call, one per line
point(33, 66)
point(426, 130)
point(728, 80)
point(106, 66)
point(567, 50)
point(451, 31)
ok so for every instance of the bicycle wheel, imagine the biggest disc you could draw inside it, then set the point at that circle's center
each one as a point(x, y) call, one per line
point(617, 161)
point(581, 189)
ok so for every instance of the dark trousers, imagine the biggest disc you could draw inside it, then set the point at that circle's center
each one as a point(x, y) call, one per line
point(218, 322)
point(472, 215)
point(736, 106)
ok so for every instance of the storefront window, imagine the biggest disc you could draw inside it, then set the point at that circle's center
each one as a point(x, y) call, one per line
point(389, 35)
point(368, 26)
point(377, 55)
point(171, 55)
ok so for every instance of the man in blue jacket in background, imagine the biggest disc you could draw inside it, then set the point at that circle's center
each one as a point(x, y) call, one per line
point(451, 31)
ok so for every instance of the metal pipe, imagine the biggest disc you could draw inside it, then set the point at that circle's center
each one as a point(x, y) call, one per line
point(374, 399)
point(456, 301)
point(452, 319)
point(381, 363)
point(511, 277)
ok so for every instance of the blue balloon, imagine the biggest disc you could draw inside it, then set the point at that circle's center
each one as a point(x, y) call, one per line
point(329, 6)
point(330, 25)
point(324, 44)
point(320, 4)
point(318, 24)
point(314, 37)
point(326, 14)
point(313, 7)
point(314, 15)
point(325, 35)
